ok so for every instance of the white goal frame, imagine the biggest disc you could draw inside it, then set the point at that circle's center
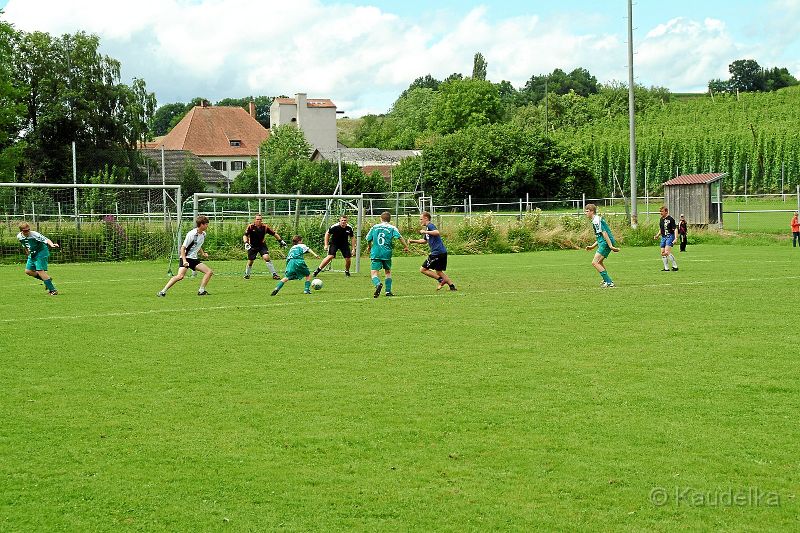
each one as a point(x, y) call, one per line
point(358, 199)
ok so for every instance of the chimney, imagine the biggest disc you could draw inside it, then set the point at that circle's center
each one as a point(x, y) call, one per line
point(302, 105)
point(204, 103)
point(252, 109)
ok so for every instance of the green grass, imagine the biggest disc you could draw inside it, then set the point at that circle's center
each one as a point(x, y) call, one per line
point(528, 400)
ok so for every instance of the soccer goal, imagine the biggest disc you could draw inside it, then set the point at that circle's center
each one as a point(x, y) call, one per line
point(92, 222)
point(308, 215)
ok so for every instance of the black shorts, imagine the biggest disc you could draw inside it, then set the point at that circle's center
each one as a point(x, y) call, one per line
point(436, 262)
point(332, 249)
point(254, 252)
point(190, 263)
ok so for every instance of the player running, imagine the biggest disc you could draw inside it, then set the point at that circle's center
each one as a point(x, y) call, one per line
point(37, 248)
point(380, 240)
point(255, 245)
point(436, 263)
point(667, 232)
point(605, 244)
point(296, 265)
point(342, 239)
point(191, 247)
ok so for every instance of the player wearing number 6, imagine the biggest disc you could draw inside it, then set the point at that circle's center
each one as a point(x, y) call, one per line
point(255, 244)
point(37, 247)
point(380, 240)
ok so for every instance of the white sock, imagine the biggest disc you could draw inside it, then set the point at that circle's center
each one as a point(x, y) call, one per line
point(202, 288)
point(672, 258)
point(247, 270)
point(664, 259)
point(271, 267)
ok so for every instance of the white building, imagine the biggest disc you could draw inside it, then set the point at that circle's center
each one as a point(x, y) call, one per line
point(316, 117)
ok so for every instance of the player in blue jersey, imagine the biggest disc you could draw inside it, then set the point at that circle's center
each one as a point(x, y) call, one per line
point(37, 247)
point(436, 263)
point(296, 266)
point(604, 243)
point(380, 240)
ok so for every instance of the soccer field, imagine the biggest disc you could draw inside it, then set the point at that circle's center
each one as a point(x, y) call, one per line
point(528, 399)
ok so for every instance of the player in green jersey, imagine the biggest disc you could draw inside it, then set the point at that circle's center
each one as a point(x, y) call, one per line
point(37, 247)
point(380, 241)
point(605, 243)
point(296, 267)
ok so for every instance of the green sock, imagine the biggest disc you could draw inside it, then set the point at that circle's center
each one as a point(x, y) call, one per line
point(376, 280)
point(49, 284)
point(388, 284)
point(279, 286)
point(605, 276)
point(307, 285)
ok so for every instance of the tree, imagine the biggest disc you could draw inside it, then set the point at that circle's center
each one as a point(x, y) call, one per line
point(423, 82)
point(746, 76)
point(12, 110)
point(73, 93)
point(464, 103)
point(499, 161)
point(191, 182)
point(479, 67)
point(161, 122)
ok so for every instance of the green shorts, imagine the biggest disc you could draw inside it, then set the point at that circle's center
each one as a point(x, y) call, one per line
point(297, 270)
point(37, 262)
point(603, 249)
point(380, 264)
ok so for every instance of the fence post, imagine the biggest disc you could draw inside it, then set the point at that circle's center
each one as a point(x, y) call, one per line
point(470, 205)
point(520, 208)
point(527, 201)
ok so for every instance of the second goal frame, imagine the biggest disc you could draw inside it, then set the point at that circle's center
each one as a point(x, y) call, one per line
point(358, 199)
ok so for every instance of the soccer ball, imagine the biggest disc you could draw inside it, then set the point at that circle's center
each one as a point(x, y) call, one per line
point(317, 284)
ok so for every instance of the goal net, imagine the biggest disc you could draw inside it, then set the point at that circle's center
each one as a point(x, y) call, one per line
point(92, 222)
point(307, 215)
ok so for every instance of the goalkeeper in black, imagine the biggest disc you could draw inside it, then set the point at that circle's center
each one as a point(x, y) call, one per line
point(255, 245)
point(339, 238)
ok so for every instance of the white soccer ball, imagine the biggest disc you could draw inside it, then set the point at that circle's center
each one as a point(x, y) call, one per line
point(317, 284)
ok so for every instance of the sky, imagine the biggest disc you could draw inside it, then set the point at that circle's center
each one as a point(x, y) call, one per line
point(362, 55)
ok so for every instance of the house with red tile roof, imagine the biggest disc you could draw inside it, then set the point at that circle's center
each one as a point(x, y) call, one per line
point(227, 138)
point(316, 117)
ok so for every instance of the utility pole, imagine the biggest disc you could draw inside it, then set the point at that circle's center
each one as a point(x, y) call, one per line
point(632, 120)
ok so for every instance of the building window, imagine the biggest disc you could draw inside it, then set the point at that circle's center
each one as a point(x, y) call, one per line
point(237, 165)
point(236, 143)
point(219, 165)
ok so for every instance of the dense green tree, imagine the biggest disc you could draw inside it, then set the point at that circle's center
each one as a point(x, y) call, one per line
point(161, 122)
point(12, 110)
point(73, 93)
point(746, 75)
point(464, 103)
point(423, 82)
point(498, 161)
point(191, 182)
point(479, 66)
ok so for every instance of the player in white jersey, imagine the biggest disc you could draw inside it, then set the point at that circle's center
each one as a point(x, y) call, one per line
point(192, 247)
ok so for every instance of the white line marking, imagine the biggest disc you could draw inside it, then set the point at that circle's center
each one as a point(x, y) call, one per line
point(462, 294)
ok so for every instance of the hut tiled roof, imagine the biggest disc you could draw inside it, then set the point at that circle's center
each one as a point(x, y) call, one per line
point(174, 161)
point(695, 179)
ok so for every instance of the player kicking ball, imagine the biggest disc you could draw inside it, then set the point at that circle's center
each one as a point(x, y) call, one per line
point(436, 263)
point(296, 266)
point(605, 244)
point(37, 247)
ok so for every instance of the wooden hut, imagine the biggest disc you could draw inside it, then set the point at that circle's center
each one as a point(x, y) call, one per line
point(696, 196)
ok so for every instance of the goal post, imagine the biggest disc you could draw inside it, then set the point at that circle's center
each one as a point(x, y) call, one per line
point(92, 222)
point(305, 214)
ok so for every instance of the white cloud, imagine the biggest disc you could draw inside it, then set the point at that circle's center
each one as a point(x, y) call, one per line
point(360, 56)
